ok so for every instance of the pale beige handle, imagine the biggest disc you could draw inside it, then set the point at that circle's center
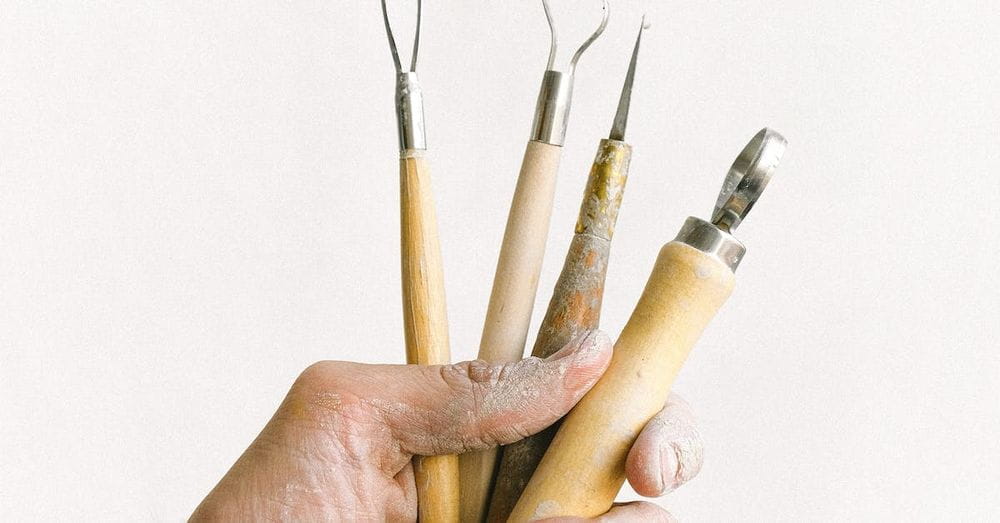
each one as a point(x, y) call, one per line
point(584, 467)
point(425, 322)
point(513, 298)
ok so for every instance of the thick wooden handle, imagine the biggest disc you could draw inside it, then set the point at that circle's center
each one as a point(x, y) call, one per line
point(574, 309)
point(584, 467)
point(512, 298)
point(425, 322)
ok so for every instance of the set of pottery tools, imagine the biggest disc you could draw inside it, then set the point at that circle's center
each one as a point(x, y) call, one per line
point(577, 466)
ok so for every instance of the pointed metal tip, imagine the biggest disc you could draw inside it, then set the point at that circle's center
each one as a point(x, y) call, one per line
point(621, 116)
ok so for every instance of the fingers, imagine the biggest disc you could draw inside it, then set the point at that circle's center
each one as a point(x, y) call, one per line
point(451, 409)
point(637, 511)
point(667, 453)
point(475, 405)
point(624, 513)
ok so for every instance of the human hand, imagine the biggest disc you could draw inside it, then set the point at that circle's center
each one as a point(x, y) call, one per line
point(340, 445)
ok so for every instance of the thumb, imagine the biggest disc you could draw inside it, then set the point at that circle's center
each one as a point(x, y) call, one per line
point(452, 409)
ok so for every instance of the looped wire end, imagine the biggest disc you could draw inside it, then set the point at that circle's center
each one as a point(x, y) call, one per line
point(747, 178)
point(392, 40)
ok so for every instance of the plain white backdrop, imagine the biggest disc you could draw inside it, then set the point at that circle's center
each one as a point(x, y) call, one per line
point(199, 199)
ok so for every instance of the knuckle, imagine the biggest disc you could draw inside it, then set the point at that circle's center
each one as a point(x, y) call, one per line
point(320, 372)
point(480, 372)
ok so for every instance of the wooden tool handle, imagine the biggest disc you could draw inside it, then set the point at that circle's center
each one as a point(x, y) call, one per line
point(425, 322)
point(512, 298)
point(521, 253)
point(574, 309)
point(584, 467)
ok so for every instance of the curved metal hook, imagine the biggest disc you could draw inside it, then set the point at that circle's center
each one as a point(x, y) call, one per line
point(392, 41)
point(579, 52)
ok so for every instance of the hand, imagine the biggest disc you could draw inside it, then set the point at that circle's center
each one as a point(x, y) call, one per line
point(340, 445)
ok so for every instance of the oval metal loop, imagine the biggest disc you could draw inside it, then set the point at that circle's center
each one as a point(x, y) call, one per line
point(747, 178)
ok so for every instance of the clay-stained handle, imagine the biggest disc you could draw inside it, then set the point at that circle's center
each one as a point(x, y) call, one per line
point(584, 467)
point(512, 298)
point(574, 309)
point(425, 321)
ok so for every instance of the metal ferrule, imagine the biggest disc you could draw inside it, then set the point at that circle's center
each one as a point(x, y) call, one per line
point(712, 240)
point(410, 112)
point(605, 187)
point(552, 109)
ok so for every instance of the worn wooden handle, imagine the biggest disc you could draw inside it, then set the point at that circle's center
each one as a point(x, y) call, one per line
point(574, 309)
point(512, 298)
point(425, 322)
point(584, 467)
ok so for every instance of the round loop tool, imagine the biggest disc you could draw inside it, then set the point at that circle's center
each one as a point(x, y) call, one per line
point(743, 186)
point(747, 178)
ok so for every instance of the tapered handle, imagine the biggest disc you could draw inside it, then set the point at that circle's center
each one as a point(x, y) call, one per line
point(513, 297)
point(584, 467)
point(521, 253)
point(425, 322)
point(574, 309)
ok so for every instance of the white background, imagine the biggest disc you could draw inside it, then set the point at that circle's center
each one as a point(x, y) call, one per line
point(198, 199)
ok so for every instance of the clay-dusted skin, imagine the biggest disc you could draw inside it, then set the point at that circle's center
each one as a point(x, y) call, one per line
point(584, 467)
point(575, 306)
point(425, 322)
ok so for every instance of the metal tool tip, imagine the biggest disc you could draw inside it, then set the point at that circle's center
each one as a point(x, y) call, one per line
point(621, 116)
point(645, 24)
point(747, 178)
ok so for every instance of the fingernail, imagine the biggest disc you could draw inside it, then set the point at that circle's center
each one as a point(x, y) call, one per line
point(584, 347)
point(572, 347)
point(669, 465)
point(592, 347)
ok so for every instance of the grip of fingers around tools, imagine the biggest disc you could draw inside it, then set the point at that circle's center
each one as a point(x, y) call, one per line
point(584, 467)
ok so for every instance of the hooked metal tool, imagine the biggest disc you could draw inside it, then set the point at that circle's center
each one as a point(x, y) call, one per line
point(556, 94)
point(584, 467)
point(575, 307)
point(513, 295)
point(425, 321)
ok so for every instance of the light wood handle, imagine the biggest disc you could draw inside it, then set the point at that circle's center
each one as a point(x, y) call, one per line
point(574, 309)
point(584, 467)
point(512, 298)
point(425, 322)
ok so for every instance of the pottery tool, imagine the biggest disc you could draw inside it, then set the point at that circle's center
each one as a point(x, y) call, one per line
point(425, 321)
point(516, 279)
point(584, 467)
point(575, 307)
